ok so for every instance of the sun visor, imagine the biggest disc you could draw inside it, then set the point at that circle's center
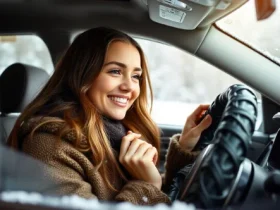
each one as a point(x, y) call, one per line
point(189, 14)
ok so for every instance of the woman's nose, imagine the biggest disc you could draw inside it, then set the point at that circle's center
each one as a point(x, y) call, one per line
point(126, 84)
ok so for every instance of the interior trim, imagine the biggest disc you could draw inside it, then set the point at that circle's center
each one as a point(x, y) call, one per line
point(241, 62)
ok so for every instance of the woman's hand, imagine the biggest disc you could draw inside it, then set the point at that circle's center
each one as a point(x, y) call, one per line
point(192, 130)
point(139, 159)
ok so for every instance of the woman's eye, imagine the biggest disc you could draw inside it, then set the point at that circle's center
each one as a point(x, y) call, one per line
point(138, 77)
point(115, 71)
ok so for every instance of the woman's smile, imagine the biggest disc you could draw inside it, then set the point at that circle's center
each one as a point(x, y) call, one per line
point(119, 100)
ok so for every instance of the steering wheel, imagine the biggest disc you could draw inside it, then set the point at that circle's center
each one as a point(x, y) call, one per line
point(209, 181)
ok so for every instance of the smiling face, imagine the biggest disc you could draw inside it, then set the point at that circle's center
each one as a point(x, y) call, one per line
point(118, 84)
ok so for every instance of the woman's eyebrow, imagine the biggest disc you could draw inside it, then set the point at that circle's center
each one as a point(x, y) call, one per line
point(121, 65)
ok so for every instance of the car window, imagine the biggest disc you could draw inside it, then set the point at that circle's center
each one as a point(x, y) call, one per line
point(262, 35)
point(181, 82)
point(28, 49)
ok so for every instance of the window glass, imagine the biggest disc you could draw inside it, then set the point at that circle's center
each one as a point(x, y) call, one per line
point(27, 49)
point(262, 35)
point(181, 82)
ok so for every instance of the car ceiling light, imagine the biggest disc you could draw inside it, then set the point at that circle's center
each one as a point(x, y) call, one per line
point(208, 3)
point(177, 4)
point(185, 14)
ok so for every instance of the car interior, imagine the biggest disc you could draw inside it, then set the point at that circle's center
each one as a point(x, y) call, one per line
point(248, 177)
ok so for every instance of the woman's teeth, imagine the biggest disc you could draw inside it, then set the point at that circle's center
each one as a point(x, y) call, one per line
point(120, 100)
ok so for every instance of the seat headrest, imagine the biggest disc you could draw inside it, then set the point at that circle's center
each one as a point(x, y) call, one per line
point(20, 83)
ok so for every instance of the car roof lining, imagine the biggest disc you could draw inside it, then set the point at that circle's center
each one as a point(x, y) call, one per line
point(27, 20)
point(26, 13)
point(66, 16)
point(45, 20)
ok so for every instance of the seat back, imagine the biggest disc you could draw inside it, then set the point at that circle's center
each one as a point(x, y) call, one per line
point(20, 83)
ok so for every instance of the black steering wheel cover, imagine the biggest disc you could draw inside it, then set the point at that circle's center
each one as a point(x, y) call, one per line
point(234, 114)
point(219, 108)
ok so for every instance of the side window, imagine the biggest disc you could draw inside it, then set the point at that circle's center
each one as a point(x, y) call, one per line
point(28, 49)
point(181, 82)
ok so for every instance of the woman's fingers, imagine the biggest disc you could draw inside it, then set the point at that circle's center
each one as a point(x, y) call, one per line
point(126, 141)
point(133, 150)
point(194, 117)
point(192, 129)
point(199, 110)
point(204, 124)
point(139, 158)
point(151, 154)
point(155, 158)
point(133, 147)
point(141, 150)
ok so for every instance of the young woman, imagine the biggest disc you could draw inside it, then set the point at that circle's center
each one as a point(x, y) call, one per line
point(91, 124)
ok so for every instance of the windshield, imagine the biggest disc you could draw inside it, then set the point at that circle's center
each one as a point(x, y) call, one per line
point(262, 35)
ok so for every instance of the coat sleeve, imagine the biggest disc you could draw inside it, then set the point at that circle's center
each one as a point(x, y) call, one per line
point(142, 193)
point(67, 167)
point(176, 158)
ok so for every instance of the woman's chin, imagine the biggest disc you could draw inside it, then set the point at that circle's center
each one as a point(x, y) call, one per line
point(116, 116)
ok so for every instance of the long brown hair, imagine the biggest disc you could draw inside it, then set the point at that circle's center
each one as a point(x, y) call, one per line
point(70, 82)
